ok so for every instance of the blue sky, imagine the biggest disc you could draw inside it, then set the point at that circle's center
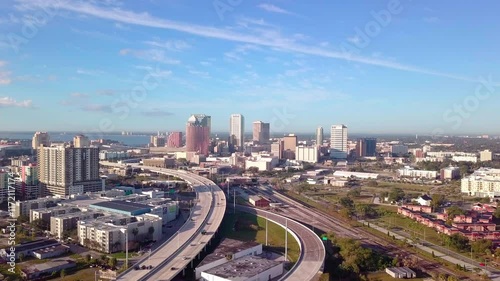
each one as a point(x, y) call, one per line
point(377, 66)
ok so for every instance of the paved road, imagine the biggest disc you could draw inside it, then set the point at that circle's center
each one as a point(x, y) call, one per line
point(327, 223)
point(312, 254)
point(181, 248)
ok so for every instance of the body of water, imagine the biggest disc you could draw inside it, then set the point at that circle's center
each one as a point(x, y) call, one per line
point(130, 140)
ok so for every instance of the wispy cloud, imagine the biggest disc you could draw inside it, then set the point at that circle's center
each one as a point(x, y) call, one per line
point(106, 92)
point(4, 74)
point(156, 55)
point(11, 102)
point(96, 108)
point(156, 113)
point(354, 39)
point(431, 19)
point(90, 72)
point(79, 95)
point(274, 9)
point(202, 74)
point(276, 42)
point(172, 45)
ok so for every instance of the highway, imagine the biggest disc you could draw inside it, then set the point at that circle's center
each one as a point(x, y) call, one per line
point(328, 223)
point(169, 259)
point(312, 250)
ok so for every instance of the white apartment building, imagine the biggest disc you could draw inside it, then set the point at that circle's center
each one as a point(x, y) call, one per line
point(484, 182)
point(307, 154)
point(465, 158)
point(237, 130)
point(412, 173)
point(338, 142)
point(24, 207)
point(67, 222)
point(486, 155)
point(262, 163)
point(108, 234)
point(4, 185)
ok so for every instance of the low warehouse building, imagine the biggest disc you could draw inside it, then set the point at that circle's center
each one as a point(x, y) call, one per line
point(258, 201)
point(245, 269)
point(401, 272)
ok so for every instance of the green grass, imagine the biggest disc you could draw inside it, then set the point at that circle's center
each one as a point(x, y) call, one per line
point(122, 256)
point(252, 228)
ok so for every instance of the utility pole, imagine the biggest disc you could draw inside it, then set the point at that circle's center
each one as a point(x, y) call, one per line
point(178, 241)
point(234, 199)
point(266, 229)
point(286, 239)
point(126, 248)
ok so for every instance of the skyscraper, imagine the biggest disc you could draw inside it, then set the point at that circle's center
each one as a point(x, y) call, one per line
point(198, 133)
point(261, 132)
point(366, 147)
point(289, 146)
point(81, 141)
point(319, 136)
point(174, 139)
point(68, 170)
point(40, 138)
point(237, 130)
point(338, 142)
point(158, 141)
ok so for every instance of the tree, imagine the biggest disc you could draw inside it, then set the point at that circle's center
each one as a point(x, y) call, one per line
point(135, 231)
point(452, 212)
point(372, 183)
point(458, 242)
point(497, 213)
point(253, 170)
point(63, 273)
point(355, 192)
point(21, 257)
point(365, 210)
point(23, 219)
point(481, 246)
point(452, 278)
point(88, 258)
point(346, 202)
point(151, 230)
point(104, 258)
point(112, 262)
point(437, 201)
point(396, 194)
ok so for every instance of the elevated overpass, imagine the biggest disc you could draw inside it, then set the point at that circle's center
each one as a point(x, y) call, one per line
point(170, 258)
point(312, 250)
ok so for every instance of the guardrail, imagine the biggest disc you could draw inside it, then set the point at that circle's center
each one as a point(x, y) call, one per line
point(164, 243)
point(188, 242)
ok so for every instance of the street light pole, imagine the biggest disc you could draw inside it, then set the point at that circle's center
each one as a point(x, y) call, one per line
point(286, 240)
point(266, 229)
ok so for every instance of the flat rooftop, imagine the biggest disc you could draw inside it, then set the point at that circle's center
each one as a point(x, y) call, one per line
point(243, 268)
point(228, 246)
point(121, 205)
point(35, 245)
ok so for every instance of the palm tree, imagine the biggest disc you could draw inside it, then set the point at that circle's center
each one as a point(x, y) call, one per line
point(151, 230)
point(135, 231)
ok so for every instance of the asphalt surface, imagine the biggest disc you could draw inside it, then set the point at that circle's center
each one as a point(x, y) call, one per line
point(312, 254)
point(169, 259)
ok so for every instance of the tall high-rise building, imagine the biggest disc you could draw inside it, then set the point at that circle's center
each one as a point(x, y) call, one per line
point(366, 147)
point(68, 170)
point(237, 130)
point(338, 142)
point(198, 133)
point(277, 149)
point(261, 132)
point(28, 186)
point(289, 146)
point(81, 141)
point(40, 138)
point(319, 136)
point(174, 139)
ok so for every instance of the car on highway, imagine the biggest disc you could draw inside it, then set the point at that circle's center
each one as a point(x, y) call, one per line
point(482, 264)
point(203, 232)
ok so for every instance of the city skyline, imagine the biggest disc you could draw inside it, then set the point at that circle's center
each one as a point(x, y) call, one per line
point(294, 65)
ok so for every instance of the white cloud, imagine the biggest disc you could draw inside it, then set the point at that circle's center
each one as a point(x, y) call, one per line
point(277, 42)
point(202, 74)
point(79, 95)
point(172, 45)
point(156, 55)
point(431, 19)
point(90, 72)
point(4, 74)
point(354, 39)
point(274, 9)
point(10, 102)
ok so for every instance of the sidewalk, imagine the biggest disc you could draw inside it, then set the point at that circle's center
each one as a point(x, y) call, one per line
point(494, 276)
